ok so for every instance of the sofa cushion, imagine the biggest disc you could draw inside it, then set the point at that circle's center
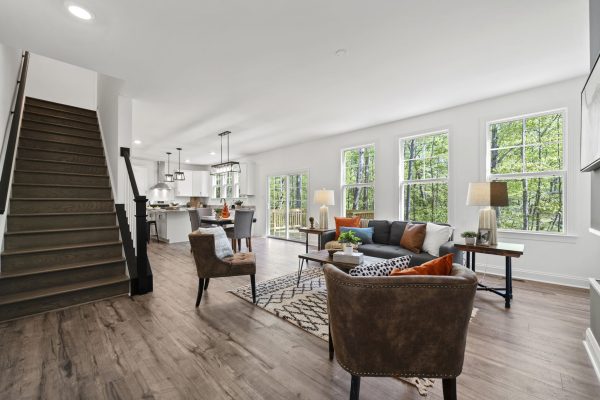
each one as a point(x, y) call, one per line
point(383, 250)
point(382, 268)
point(381, 233)
point(342, 221)
point(364, 234)
point(396, 231)
point(413, 237)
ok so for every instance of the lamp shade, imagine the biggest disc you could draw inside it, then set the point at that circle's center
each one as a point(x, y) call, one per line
point(494, 194)
point(324, 197)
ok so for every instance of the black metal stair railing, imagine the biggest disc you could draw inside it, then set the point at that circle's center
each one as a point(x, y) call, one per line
point(140, 272)
point(13, 135)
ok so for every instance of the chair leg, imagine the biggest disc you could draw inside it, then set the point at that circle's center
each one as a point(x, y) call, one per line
point(200, 288)
point(355, 387)
point(233, 245)
point(249, 244)
point(449, 388)
point(206, 283)
point(239, 244)
point(253, 284)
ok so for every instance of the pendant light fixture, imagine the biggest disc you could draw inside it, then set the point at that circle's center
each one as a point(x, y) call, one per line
point(169, 175)
point(227, 167)
point(179, 176)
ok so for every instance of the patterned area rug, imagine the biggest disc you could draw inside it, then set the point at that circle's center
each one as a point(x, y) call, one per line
point(305, 306)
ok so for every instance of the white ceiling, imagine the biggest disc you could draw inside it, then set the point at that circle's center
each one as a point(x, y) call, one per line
point(267, 70)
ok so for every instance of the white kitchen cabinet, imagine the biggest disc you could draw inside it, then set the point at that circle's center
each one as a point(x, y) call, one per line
point(246, 179)
point(185, 188)
point(201, 183)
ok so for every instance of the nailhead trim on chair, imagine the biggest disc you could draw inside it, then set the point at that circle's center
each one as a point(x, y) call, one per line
point(404, 285)
point(402, 374)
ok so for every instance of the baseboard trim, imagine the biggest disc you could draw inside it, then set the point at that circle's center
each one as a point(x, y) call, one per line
point(527, 274)
point(593, 350)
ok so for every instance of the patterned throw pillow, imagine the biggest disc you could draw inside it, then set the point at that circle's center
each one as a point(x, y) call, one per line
point(382, 268)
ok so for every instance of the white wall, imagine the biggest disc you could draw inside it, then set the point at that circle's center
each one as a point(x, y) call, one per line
point(567, 260)
point(53, 80)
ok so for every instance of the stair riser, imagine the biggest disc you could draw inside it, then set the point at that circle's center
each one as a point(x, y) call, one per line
point(60, 138)
point(61, 114)
point(62, 300)
point(31, 241)
point(58, 206)
point(58, 120)
point(59, 167)
point(48, 155)
point(18, 224)
point(57, 179)
point(75, 110)
point(57, 130)
point(63, 129)
point(53, 146)
point(27, 262)
point(58, 278)
point(61, 192)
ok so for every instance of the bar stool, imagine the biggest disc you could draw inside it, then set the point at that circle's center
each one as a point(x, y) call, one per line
point(149, 224)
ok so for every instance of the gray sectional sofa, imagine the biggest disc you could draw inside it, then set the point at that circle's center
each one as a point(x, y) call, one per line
point(386, 243)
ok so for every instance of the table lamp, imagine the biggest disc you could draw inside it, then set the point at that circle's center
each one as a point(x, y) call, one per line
point(489, 195)
point(325, 198)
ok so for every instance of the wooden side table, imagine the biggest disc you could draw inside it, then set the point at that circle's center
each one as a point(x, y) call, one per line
point(315, 231)
point(507, 250)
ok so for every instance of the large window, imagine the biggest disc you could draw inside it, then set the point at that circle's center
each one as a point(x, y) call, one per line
point(424, 177)
point(528, 154)
point(225, 185)
point(358, 181)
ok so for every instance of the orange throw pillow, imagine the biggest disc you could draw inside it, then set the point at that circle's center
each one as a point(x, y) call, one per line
point(353, 222)
point(438, 266)
point(413, 237)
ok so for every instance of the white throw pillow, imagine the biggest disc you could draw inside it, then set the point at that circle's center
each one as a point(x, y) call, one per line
point(435, 236)
point(222, 245)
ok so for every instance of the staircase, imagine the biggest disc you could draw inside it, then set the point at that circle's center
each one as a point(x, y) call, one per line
point(62, 244)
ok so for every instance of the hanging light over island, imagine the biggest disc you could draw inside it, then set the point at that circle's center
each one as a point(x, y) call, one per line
point(169, 175)
point(179, 175)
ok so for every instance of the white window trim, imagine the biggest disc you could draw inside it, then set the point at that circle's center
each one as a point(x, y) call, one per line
point(403, 182)
point(344, 186)
point(287, 188)
point(563, 173)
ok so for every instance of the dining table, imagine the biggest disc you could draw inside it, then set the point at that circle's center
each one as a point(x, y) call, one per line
point(219, 221)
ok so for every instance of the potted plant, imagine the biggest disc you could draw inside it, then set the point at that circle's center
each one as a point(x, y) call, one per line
point(218, 212)
point(348, 240)
point(469, 237)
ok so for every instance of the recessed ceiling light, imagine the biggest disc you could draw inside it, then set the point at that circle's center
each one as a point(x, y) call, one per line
point(137, 141)
point(80, 12)
point(187, 161)
point(212, 153)
point(341, 52)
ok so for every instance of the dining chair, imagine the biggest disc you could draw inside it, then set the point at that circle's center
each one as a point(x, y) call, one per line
point(204, 212)
point(242, 229)
point(194, 219)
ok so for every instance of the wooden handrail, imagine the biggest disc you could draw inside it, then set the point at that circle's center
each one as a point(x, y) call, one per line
point(141, 277)
point(15, 128)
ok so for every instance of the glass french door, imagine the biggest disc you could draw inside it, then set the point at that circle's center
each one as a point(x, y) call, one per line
point(288, 205)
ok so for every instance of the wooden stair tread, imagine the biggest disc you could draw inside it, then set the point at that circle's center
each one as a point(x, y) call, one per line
point(59, 248)
point(58, 162)
point(63, 267)
point(60, 185)
point(57, 142)
point(63, 152)
point(23, 128)
point(87, 111)
point(59, 199)
point(42, 231)
point(73, 287)
point(61, 173)
point(34, 112)
point(64, 214)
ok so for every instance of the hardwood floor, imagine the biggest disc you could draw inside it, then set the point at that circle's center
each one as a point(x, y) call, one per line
point(160, 346)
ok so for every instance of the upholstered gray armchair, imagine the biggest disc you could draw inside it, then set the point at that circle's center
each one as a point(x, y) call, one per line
point(401, 326)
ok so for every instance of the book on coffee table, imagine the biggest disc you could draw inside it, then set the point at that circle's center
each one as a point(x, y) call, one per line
point(354, 258)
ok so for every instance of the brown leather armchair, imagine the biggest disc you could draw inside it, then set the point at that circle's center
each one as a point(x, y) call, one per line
point(208, 265)
point(405, 326)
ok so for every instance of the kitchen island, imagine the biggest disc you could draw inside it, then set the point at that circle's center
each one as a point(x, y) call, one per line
point(173, 225)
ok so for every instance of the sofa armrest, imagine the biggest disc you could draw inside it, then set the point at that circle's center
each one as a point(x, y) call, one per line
point(448, 248)
point(327, 237)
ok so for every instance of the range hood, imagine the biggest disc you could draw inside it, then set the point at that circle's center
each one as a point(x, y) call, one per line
point(160, 185)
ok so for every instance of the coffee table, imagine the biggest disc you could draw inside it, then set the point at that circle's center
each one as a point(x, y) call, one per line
point(323, 257)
